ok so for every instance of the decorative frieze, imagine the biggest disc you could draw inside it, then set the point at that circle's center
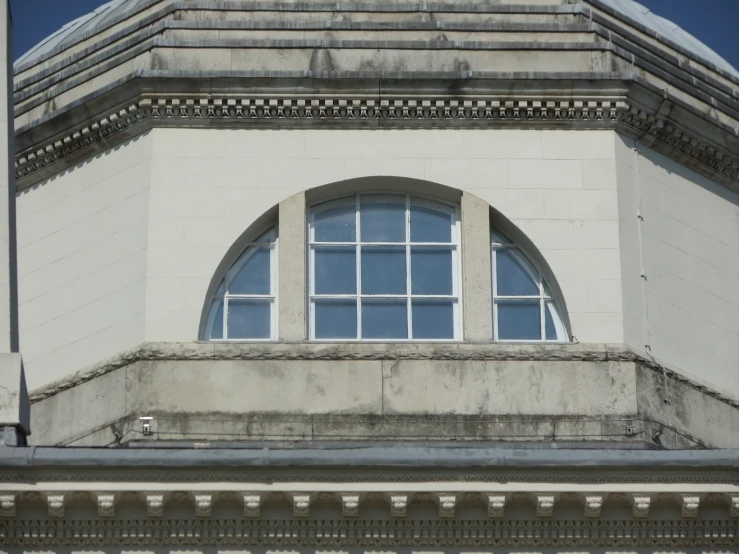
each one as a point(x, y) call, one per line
point(7, 505)
point(447, 505)
point(417, 111)
point(593, 504)
point(496, 505)
point(734, 505)
point(544, 505)
point(641, 505)
point(155, 505)
point(252, 505)
point(55, 502)
point(691, 503)
point(203, 505)
point(388, 534)
point(350, 505)
point(398, 505)
point(301, 505)
point(106, 504)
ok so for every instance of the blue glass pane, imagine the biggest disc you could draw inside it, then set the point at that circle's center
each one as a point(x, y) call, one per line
point(253, 277)
point(549, 327)
point(431, 270)
point(336, 270)
point(512, 278)
point(216, 330)
point(382, 221)
point(429, 225)
point(248, 319)
point(335, 224)
point(433, 319)
point(519, 320)
point(383, 270)
point(384, 319)
point(335, 319)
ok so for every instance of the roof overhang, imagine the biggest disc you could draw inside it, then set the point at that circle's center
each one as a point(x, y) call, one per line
point(171, 64)
point(376, 495)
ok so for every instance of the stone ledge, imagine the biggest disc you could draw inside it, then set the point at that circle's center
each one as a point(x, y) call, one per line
point(345, 351)
point(224, 351)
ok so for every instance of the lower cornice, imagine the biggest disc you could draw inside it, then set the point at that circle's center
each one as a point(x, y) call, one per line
point(620, 105)
point(389, 534)
point(373, 515)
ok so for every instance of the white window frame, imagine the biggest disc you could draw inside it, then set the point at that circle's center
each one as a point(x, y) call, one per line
point(222, 292)
point(454, 246)
point(498, 243)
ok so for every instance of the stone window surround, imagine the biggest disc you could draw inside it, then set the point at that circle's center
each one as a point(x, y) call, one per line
point(476, 275)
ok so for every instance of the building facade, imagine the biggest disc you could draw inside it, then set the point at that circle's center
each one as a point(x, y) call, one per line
point(359, 275)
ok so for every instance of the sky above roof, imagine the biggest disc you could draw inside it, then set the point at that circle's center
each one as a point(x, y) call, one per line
point(711, 21)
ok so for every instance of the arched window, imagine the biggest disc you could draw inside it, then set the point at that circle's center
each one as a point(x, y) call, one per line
point(384, 267)
point(243, 306)
point(523, 308)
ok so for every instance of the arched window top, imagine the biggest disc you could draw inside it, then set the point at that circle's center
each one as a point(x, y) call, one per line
point(523, 307)
point(384, 267)
point(243, 306)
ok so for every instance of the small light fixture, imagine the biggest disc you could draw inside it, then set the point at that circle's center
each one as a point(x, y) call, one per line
point(146, 424)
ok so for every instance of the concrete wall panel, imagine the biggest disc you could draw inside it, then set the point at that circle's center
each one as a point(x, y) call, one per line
point(82, 241)
point(680, 266)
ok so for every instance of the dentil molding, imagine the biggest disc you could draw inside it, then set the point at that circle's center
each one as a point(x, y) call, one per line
point(346, 111)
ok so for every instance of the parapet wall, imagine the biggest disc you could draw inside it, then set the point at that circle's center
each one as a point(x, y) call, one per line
point(206, 392)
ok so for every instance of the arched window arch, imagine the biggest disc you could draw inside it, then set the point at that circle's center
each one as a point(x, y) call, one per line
point(384, 267)
point(523, 306)
point(244, 304)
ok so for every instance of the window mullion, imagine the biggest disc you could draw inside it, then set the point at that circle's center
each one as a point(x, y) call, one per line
point(225, 317)
point(358, 262)
point(408, 284)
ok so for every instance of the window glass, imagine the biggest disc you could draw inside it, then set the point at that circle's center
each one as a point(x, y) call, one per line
point(403, 251)
point(513, 277)
point(335, 225)
point(430, 225)
point(253, 277)
point(335, 319)
point(519, 320)
point(335, 270)
point(243, 307)
point(383, 270)
point(384, 319)
point(523, 308)
point(431, 270)
point(248, 318)
point(432, 319)
point(382, 219)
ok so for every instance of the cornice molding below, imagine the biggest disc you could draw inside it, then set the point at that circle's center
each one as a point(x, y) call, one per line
point(541, 110)
point(386, 533)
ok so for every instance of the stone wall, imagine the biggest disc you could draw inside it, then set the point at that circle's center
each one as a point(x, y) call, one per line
point(82, 255)
point(680, 264)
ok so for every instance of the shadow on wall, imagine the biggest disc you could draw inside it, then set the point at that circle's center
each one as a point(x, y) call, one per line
point(86, 161)
point(676, 168)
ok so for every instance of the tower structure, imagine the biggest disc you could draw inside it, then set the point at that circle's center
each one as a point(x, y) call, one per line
point(366, 275)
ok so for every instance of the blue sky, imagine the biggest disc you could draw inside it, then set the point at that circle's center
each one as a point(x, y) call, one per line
point(712, 21)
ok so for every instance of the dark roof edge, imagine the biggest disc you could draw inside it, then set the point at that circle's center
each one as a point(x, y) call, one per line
point(453, 456)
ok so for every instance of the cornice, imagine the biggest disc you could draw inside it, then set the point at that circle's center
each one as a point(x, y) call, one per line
point(395, 529)
point(389, 534)
point(543, 110)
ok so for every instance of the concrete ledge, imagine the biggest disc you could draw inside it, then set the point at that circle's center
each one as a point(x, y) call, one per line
point(230, 391)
